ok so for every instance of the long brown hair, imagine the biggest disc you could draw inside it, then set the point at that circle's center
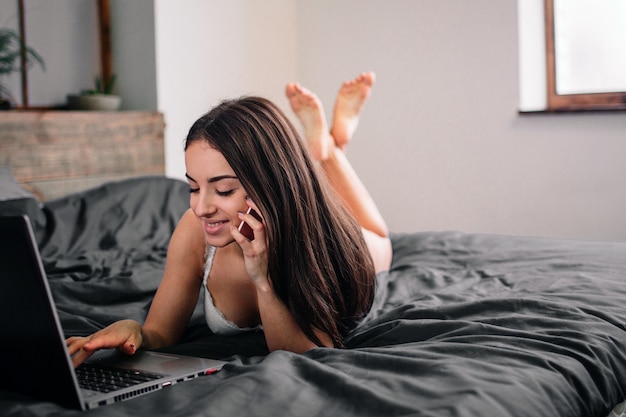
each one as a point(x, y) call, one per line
point(318, 262)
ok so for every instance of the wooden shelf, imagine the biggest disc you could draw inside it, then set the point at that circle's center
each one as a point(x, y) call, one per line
point(55, 152)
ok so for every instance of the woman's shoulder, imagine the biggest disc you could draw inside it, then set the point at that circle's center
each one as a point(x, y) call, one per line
point(189, 229)
point(188, 238)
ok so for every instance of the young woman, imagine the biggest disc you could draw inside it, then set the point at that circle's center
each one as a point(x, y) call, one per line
point(308, 273)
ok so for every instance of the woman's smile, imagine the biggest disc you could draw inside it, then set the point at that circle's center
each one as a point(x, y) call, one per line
point(214, 227)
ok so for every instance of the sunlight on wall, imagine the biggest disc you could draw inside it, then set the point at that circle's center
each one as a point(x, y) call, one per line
point(532, 55)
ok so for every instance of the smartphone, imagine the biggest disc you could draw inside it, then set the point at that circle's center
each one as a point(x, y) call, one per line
point(244, 228)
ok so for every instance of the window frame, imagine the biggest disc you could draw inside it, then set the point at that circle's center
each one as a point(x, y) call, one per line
point(572, 102)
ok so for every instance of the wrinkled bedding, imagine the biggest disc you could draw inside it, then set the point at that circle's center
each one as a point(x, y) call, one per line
point(462, 325)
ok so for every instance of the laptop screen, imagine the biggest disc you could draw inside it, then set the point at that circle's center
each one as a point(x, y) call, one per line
point(33, 356)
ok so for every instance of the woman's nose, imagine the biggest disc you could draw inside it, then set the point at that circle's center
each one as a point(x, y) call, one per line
point(203, 206)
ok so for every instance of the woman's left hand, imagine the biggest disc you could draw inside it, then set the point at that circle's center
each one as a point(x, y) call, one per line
point(254, 251)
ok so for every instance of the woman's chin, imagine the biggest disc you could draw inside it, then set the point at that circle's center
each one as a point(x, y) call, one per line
point(218, 241)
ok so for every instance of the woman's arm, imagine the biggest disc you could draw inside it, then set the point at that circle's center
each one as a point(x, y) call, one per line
point(177, 295)
point(171, 308)
point(280, 328)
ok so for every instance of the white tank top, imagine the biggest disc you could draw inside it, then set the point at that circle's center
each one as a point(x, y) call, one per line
point(213, 316)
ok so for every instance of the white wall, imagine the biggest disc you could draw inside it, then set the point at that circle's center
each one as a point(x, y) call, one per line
point(441, 145)
point(133, 53)
point(208, 51)
point(533, 90)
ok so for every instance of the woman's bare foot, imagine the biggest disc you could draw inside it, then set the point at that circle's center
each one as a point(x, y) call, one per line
point(309, 110)
point(348, 106)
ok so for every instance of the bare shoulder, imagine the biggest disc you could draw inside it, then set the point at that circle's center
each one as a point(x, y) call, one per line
point(189, 227)
point(187, 245)
point(177, 294)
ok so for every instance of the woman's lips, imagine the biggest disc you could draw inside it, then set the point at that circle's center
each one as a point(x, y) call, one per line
point(213, 227)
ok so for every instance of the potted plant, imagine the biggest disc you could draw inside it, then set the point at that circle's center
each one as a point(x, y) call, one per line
point(10, 52)
point(101, 97)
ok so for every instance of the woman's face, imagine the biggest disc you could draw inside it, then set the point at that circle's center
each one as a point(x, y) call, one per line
point(216, 195)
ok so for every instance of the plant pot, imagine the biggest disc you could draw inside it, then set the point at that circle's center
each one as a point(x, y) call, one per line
point(102, 102)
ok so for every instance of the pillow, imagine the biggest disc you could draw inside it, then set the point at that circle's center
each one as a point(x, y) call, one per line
point(14, 199)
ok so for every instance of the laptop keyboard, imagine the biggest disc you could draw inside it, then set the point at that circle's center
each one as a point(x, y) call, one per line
point(104, 379)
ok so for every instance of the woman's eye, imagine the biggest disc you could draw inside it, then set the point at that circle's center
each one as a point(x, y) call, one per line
point(193, 190)
point(224, 193)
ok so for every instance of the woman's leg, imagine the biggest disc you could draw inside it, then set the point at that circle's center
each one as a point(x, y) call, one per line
point(330, 152)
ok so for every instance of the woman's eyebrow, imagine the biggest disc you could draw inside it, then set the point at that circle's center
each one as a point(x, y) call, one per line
point(223, 177)
point(214, 179)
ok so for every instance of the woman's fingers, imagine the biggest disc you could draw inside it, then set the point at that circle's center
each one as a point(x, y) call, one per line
point(81, 356)
point(124, 335)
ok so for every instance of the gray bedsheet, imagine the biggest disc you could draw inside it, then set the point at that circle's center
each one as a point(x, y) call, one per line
point(463, 324)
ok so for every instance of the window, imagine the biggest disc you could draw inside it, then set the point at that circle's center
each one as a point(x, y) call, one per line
point(585, 54)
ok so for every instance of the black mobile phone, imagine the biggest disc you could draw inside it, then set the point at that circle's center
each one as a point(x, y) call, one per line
point(244, 228)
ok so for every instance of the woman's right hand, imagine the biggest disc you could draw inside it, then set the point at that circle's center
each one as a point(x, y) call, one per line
point(124, 335)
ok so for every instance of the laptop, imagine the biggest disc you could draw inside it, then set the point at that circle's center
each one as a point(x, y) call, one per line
point(33, 355)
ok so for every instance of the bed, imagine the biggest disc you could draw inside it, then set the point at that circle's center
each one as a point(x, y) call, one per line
point(462, 324)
